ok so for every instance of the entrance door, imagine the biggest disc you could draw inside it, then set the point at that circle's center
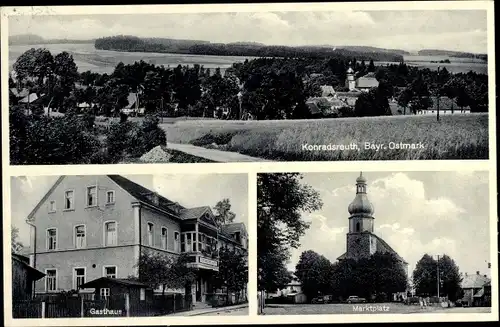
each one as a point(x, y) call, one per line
point(198, 289)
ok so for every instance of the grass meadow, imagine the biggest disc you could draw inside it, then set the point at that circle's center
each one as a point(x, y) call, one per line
point(453, 137)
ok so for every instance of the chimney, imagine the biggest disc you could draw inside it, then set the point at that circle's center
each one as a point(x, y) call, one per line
point(477, 272)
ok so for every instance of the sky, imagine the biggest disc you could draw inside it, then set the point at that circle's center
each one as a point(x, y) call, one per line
point(459, 30)
point(415, 213)
point(190, 190)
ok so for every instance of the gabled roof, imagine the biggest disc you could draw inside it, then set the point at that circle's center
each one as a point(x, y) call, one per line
point(391, 250)
point(367, 81)
point(193, 213)
point(132, 99)
point(145, 195)
point(327, 90)
point(313, 107)
point(474, 281)
point(233, 228)
point(44, 198)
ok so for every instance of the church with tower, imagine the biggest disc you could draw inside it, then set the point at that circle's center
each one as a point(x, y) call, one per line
point(362, 242)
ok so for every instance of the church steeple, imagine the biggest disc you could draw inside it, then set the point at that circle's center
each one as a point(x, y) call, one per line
point(350, 82)
point(361, 206)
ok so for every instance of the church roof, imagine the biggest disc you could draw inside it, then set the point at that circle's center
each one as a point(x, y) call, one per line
point(388, 248)
point(367, 81)
point(384, 245)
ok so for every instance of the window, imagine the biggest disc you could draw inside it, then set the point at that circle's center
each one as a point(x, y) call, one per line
point(164, 238)
point(91, 196)
point(50, 280)
point(110, 197)
point(177, 241)
point(110, 271)
point(69, 200)
point(183, 243)
point(52, 206)
point(143, 294)
point(110, 237)
point(51, 239)
point(105, 293)
point(80, 238)
point(357, 227)
point(150, 234)
point(78, 277)
point(188, 242)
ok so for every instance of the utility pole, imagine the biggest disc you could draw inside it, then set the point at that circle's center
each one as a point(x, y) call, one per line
point(438, 96)
point(438, 281)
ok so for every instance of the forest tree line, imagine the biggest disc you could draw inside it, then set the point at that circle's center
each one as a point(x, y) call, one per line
point(136, 44)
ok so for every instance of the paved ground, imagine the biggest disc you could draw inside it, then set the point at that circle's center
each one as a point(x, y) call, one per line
point(212, 154)
point(230, 312)
point(379, 308)
point(235, 310)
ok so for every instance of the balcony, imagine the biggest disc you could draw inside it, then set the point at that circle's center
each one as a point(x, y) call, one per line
point(203, 261)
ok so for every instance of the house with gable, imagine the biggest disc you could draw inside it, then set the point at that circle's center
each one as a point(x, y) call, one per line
point(88, 227)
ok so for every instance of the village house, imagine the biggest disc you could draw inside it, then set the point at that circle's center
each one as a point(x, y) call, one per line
point(476, 288)
point(447, 106)
point(88, 227)
point(133, 107)
point(293, 287)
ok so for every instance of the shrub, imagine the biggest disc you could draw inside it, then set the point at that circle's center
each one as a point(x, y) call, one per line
point(49, 140)
point(152, 134)
point(128, 139)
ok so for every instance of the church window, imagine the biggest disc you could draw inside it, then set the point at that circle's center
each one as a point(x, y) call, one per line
point(357, 226)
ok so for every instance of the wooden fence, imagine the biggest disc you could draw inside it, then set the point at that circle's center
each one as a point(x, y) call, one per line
point(113, 306)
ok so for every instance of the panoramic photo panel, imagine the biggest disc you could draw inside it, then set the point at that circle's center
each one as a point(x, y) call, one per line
point(129, 246)
point(374, 243)
point(276, 86)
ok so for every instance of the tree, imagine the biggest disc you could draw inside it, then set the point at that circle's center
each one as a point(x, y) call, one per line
point(371, 66)
point(281, 201)
point(233, 272)
point(223, 213)
point(17, 246)
point(157, 269)
point(375, 277)
point(314, 272)
point(405, 98)
point(372, 103)
point(425, 277)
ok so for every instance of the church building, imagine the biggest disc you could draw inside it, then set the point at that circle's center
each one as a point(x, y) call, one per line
point(361, 84)
point(362, 242)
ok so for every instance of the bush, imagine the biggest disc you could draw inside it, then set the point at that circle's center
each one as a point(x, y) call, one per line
point(127, 139)
point(152, 134)
point(49, 140)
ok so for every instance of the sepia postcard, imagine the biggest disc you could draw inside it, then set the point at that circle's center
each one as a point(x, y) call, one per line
point(268, 163)
point(281, 85)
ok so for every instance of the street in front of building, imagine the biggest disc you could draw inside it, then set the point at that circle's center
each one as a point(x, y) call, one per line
point(370, 308)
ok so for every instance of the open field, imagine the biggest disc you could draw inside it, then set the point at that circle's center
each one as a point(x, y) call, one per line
point(453, 137)
point(375, 308)
point(87, 57)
